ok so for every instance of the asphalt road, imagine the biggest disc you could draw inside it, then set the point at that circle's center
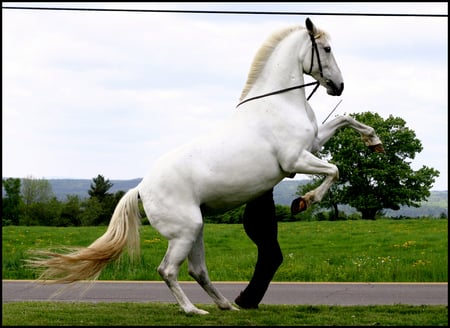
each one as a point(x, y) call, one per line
point(278, 292)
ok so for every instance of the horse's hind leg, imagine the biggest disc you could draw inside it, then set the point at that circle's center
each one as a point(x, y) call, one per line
point(197, 269)
point(169, 268)
point(307, 163)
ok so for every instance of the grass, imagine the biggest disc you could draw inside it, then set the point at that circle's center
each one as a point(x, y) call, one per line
point(414, 250)
point(160, 314)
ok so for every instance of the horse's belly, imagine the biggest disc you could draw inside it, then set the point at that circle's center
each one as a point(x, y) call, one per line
point(220, 196)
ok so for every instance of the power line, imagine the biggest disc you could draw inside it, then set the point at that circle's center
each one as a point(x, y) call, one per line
point(225, 12)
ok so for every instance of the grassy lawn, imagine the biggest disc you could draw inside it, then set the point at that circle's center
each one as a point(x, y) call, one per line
point(414, 250)
point(159, 314)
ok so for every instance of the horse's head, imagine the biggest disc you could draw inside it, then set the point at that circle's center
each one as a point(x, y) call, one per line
point(320, 64)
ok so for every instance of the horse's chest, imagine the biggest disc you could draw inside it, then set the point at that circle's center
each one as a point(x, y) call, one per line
point(298, 135)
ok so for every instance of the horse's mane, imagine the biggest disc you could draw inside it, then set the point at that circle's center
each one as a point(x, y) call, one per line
point(264, 53)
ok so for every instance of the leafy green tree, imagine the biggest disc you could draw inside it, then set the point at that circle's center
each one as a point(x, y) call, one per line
point(43, 213)
point(12, 204)
point(371, 182)
point(102, 202)
point(70, 212)
point(91, 212)
point(99, 187)
point(41, 206)
point(36, 190)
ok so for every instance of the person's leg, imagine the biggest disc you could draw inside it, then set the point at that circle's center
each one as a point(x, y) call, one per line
point(260, 224)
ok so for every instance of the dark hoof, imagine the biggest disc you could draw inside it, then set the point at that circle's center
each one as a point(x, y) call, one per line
point(245, 304)
point(377, 148)
point(298, 205)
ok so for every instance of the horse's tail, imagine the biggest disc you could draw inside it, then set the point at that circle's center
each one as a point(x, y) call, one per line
point(87, 263)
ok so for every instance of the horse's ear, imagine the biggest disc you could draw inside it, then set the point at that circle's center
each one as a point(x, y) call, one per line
point(310, 26)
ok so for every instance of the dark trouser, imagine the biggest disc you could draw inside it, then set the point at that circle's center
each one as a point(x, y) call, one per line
point(260, 224)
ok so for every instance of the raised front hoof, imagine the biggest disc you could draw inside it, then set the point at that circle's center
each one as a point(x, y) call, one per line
point(377, 148)
point(298, 205)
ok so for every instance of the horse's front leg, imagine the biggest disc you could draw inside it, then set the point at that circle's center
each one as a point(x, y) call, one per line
point(327, 130)
point(307, 163)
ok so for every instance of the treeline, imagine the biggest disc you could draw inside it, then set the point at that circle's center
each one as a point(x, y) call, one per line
point(31, 202)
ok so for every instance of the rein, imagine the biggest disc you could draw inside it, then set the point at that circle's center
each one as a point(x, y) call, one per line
point(317, 83)
point(281, 91)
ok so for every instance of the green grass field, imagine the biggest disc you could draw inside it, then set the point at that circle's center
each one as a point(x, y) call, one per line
point(159, 314)
point(414, 250)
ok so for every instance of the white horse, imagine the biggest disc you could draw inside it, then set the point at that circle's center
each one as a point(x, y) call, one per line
point(272, 135)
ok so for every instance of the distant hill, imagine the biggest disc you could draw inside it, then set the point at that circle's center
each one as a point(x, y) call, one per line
point(63, 187)
point(284, 193)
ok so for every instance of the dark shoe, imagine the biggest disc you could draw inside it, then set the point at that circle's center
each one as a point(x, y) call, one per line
point(243, 303)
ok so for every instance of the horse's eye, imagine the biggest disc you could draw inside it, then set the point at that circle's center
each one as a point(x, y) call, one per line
point(327, 49)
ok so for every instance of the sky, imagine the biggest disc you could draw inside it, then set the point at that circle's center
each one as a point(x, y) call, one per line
point(94, 92)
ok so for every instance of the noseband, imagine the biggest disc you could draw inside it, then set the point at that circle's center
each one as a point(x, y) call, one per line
point(317, 83)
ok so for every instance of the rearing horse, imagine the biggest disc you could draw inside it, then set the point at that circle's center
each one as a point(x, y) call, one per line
point(271, 136)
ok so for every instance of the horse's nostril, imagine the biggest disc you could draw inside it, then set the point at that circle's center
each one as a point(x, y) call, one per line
point(335, 89)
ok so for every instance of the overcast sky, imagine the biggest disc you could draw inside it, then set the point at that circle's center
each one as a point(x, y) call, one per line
point(88, 93)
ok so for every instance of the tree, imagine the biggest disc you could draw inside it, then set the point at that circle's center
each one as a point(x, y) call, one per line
point(101, 203)
point(36, 191)
point(43, 213)
point(99, 187)
point(12, 204)
point(41, 206)
point(70, 212)
point(91, 212)
point(371, 182)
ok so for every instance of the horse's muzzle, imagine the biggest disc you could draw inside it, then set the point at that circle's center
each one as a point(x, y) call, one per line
point(333, 89)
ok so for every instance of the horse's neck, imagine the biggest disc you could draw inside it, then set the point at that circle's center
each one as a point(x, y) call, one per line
point(283, 68)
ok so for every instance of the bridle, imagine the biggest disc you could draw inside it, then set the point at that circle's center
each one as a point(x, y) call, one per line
point(317, 83)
